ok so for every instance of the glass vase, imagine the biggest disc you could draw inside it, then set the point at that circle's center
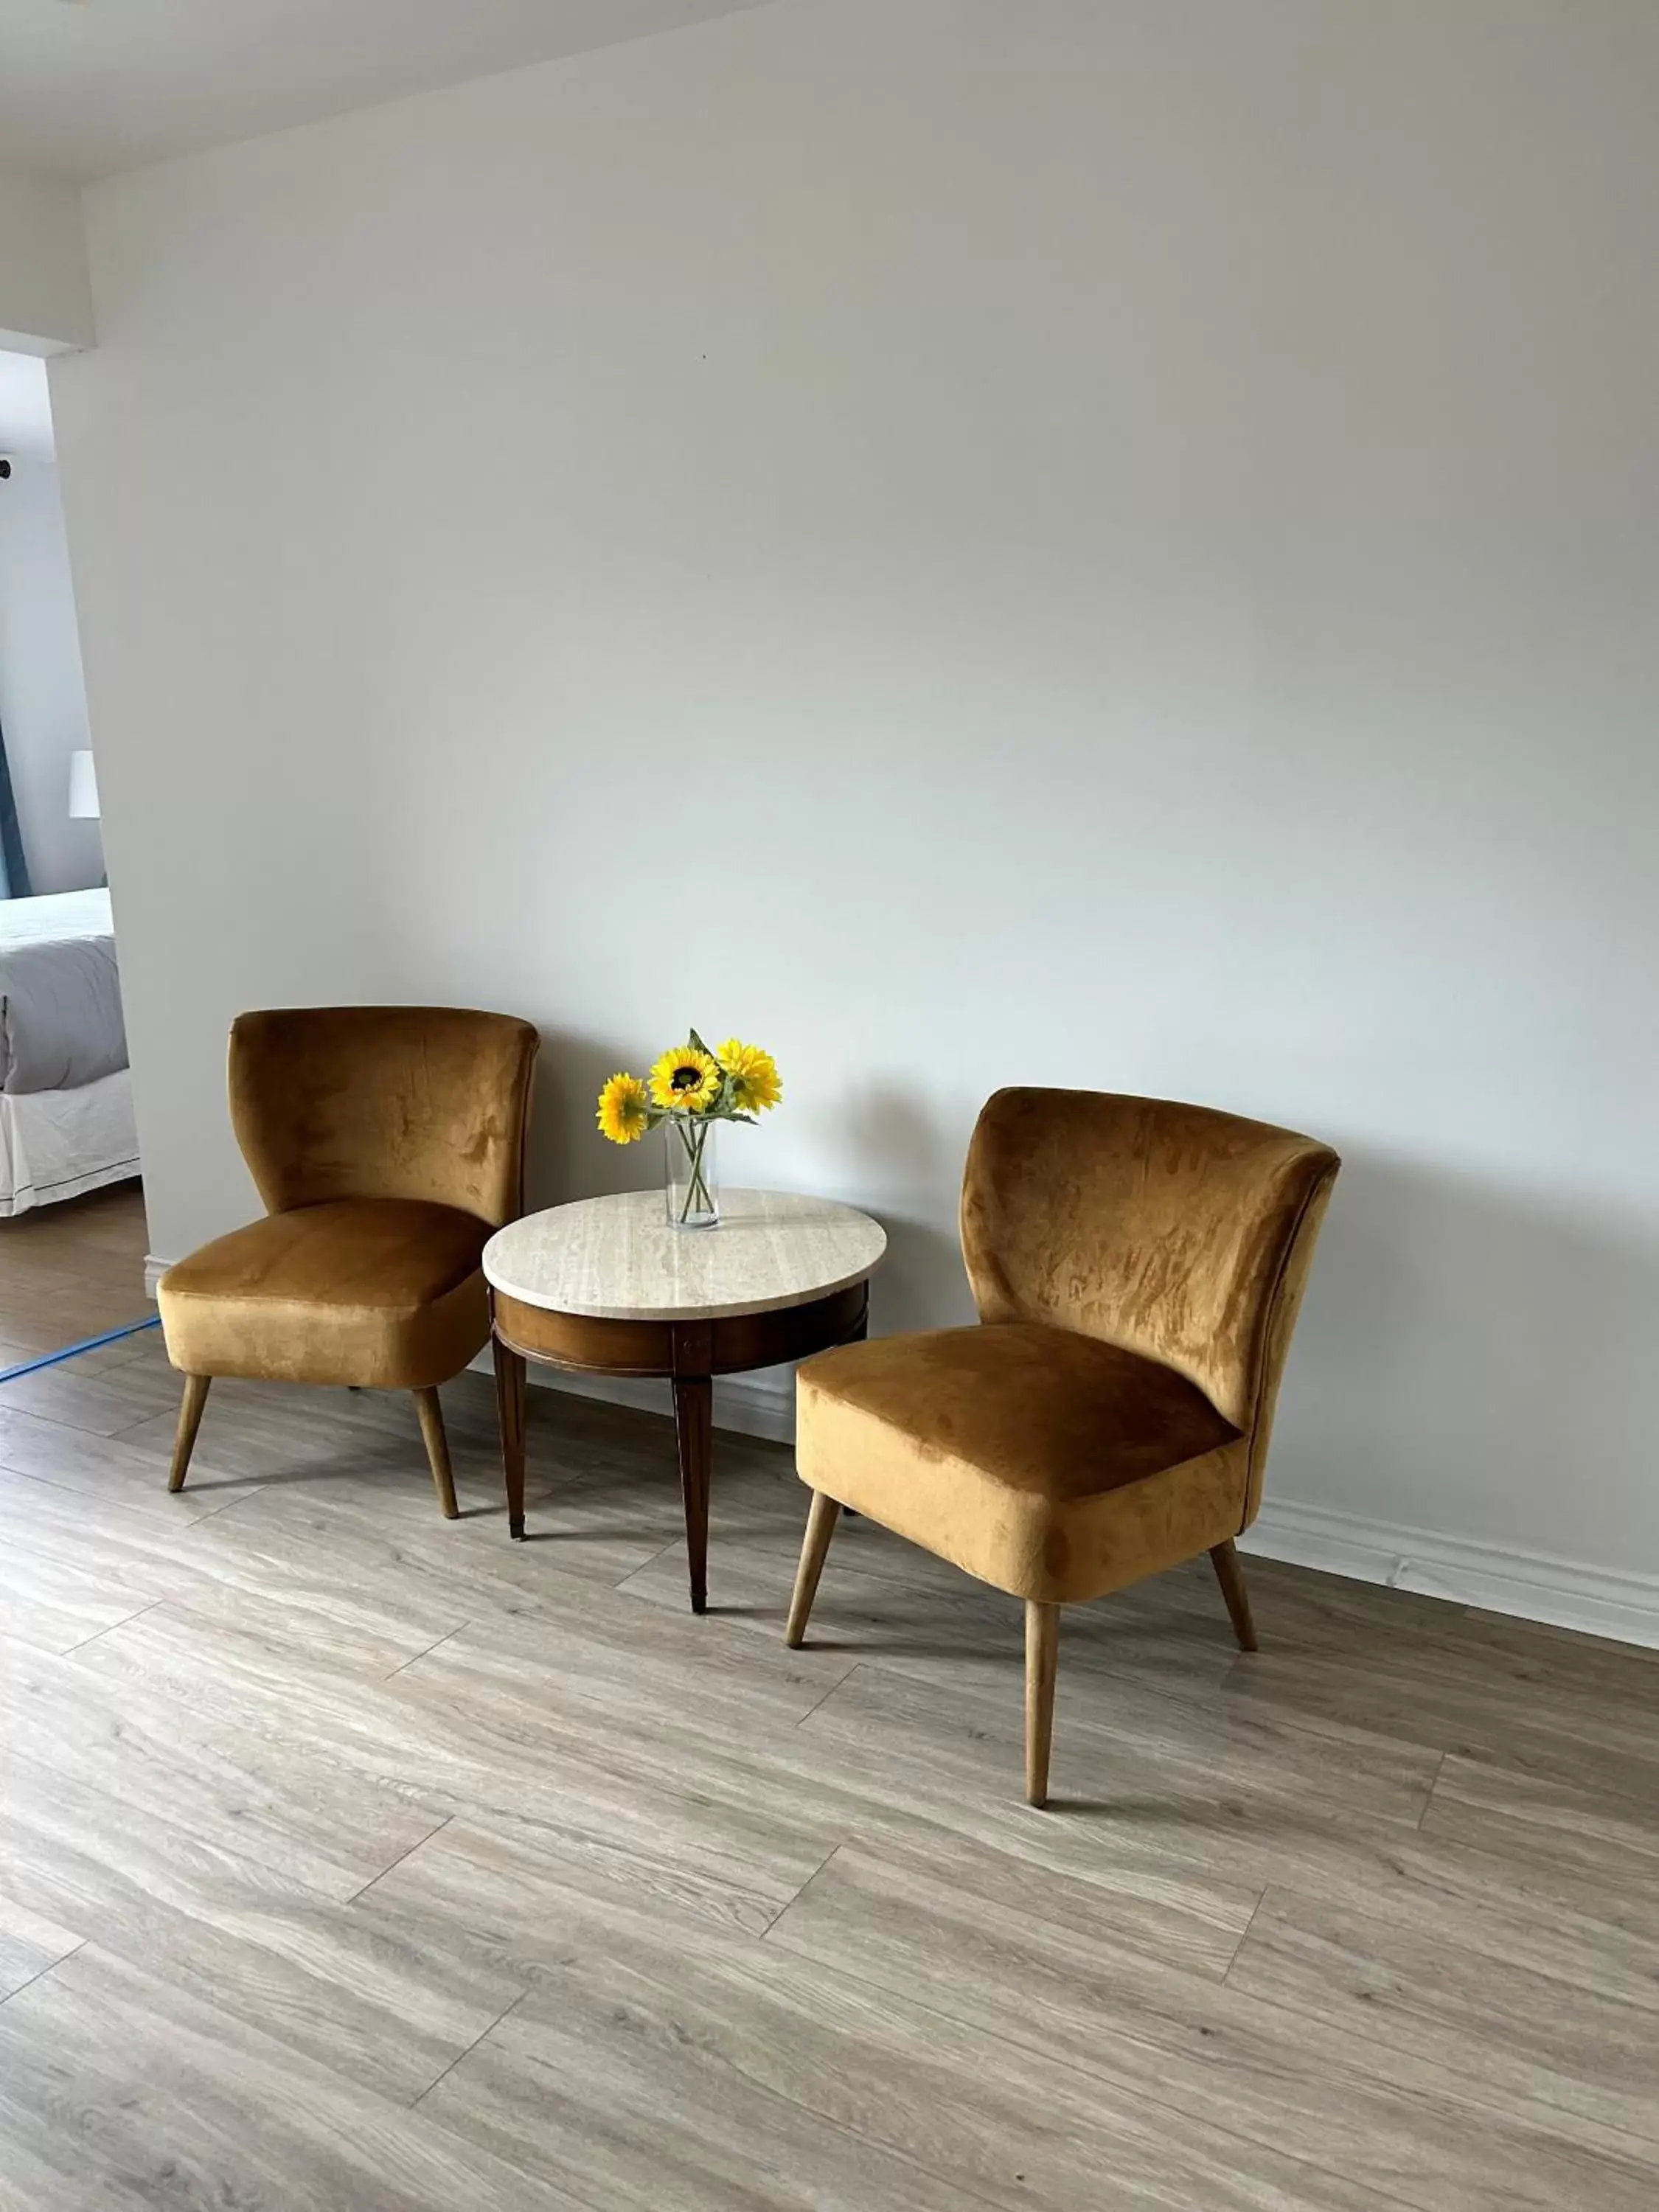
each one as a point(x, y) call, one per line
point(692, 1188)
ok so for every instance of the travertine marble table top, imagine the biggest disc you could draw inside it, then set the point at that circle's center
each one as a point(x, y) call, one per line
point(618, 1259)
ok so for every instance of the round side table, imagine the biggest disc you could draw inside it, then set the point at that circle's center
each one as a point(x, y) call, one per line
point(606, 1286)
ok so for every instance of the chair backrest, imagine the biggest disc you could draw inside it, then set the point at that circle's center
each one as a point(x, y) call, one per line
point(384, 1102)
point(1177, 1232)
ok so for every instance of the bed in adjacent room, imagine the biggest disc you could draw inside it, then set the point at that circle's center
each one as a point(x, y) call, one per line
point(66, 1119)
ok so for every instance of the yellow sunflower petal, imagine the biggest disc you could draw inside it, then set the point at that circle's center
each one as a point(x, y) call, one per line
point(757, 1086)
point(623, 1106)
point(684, 1079)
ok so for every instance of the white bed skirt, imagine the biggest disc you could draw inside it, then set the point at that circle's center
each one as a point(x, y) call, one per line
point(57, 1144)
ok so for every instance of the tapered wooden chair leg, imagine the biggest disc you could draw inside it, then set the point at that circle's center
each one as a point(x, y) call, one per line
point(189, 1420)
point(1230, 1575)
point(820, 1527)
point(1042, 1660)
point(437, 1450)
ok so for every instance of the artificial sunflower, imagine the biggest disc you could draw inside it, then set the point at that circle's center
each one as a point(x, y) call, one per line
point(686, 1078)
point(624, 1112)
point(753, 1074)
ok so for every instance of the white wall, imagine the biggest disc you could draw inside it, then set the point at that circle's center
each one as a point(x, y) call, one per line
point(45, 302)
point(1098, 541)
point(43, 700)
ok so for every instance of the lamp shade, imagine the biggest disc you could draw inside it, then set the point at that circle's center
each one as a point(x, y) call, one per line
point(83, 787)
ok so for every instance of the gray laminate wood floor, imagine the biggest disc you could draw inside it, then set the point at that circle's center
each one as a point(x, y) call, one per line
point(350, 1859)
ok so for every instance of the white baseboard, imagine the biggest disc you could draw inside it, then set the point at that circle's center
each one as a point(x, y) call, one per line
point(1527, 1584)
point(153, 1271)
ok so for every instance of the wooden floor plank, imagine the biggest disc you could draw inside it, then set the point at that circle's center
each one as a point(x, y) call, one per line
point(112, 1773)
point(1004, 1956)
point(640, 1803)
point(29, 1943)
point(130, 2088)
point(111, 1470)
point(1468, 1697)
point(1597, 1842)
point(645, 2048)
point(1582, 2038)
point(106, 1401)
point(351, 1857)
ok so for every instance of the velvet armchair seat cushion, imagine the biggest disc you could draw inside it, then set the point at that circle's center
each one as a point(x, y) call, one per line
point(1024, 1454)
point(386, 1293)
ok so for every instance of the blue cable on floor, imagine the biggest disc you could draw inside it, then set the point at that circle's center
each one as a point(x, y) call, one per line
point(74, 1350)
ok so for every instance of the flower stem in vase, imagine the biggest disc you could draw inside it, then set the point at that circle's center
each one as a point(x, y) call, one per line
point(692, 1203)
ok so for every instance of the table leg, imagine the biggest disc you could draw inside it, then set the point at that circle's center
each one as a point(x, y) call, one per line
point(509, 1404)
point(694, 1409)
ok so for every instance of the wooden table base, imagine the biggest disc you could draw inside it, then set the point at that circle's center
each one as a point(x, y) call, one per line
point(690, 1354)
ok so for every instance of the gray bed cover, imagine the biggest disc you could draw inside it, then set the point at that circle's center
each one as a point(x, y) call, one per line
point(60, 992)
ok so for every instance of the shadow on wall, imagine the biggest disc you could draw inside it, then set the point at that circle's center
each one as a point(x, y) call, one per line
point(568, 1159)
point(1467, 1363)
point(909, 1162)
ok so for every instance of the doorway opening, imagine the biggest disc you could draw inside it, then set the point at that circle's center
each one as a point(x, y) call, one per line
point(71, 1208)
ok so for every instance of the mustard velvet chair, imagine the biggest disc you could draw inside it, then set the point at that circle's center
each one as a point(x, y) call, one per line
point(1137, 1265)
point(387, 1143)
